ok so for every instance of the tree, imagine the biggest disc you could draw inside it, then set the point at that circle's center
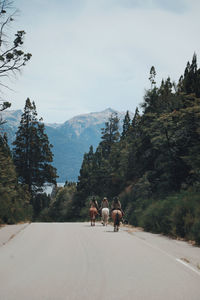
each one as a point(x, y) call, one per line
point(110, 135)
point(126, 124)
point(14, 200)
point(12, 58)
point(32, 151)
point(152, 77)
point(190, 82)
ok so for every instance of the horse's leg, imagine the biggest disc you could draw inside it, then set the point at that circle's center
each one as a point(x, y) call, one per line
point(107, 219)
point(104, 219)
point(114, 226)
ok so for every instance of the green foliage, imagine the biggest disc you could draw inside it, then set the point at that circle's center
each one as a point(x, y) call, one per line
point(62, 205)
point(96, 174)
point(14, 197)
point(177, 215)
point(40, 202)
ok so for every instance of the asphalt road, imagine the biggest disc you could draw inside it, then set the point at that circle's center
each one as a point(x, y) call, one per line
point(72, 261)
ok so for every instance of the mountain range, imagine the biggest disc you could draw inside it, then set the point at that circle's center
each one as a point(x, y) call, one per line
point(70, 140)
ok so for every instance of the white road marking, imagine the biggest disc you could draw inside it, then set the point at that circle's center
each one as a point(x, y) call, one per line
point(188, 266)
point(169, 255)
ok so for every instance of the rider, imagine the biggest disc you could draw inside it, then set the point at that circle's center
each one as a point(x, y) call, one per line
point(116, 204)
point(94, 203)
point(104, 203)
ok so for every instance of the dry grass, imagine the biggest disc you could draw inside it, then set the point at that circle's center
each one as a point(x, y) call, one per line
point(185, 260)
point(131, 229)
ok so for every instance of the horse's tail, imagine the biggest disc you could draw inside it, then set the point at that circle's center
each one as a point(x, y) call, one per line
point(117, 219)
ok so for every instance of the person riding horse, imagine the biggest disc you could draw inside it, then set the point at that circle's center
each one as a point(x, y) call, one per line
point(116, 213)
point(104, 203)
point(93, 210)
point(104, 211)
point(94, 203)
point(116, 204)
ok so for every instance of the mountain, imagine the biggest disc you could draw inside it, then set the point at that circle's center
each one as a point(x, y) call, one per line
point(70, 140)
point(13, 118)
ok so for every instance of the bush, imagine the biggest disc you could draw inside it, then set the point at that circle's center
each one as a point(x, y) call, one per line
point(196, 231)
point(156, 217)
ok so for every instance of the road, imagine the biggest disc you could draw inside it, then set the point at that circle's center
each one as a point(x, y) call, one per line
point(72, 261)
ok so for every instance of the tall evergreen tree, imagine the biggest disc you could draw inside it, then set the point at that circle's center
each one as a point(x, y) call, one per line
point(110, 134)
point(126, 125)
point(152, 77)
point(32, 151)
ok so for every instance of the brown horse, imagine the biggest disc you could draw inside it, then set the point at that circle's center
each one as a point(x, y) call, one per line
point(93, 214)
point(116, 216)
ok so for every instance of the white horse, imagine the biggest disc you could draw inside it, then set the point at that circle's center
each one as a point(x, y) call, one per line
point(105, 216)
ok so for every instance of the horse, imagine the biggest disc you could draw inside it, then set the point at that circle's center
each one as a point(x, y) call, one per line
point(105, 216)
point(93, 212)
point(116, 216)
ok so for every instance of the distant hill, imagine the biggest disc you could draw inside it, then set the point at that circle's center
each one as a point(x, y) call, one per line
point(70, 140)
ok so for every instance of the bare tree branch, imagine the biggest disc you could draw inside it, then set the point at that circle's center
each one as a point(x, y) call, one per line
point(12, 57)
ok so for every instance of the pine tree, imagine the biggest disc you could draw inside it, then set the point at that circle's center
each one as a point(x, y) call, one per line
point(126, 125)
point(110, 135)
point(191, 79)
point(152, 77)
point(32, 151)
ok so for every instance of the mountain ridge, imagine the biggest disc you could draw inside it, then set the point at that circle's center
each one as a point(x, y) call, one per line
point(70, 139)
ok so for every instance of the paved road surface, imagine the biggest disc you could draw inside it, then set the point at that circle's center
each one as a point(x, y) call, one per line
point(72, 261)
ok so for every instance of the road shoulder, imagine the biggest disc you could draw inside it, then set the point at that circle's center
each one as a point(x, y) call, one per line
point(8, 232)
point(181, 251)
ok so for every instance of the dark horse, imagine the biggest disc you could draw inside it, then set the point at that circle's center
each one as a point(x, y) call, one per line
point(116, 216)
point(93, 214)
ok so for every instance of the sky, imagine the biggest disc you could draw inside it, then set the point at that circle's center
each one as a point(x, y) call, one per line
point(88, 55)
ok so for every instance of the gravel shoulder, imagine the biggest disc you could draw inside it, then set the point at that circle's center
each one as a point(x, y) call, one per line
point(8, 232)
point(181, 250)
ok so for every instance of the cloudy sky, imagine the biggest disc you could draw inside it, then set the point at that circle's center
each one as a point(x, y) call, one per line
point(89, 55)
